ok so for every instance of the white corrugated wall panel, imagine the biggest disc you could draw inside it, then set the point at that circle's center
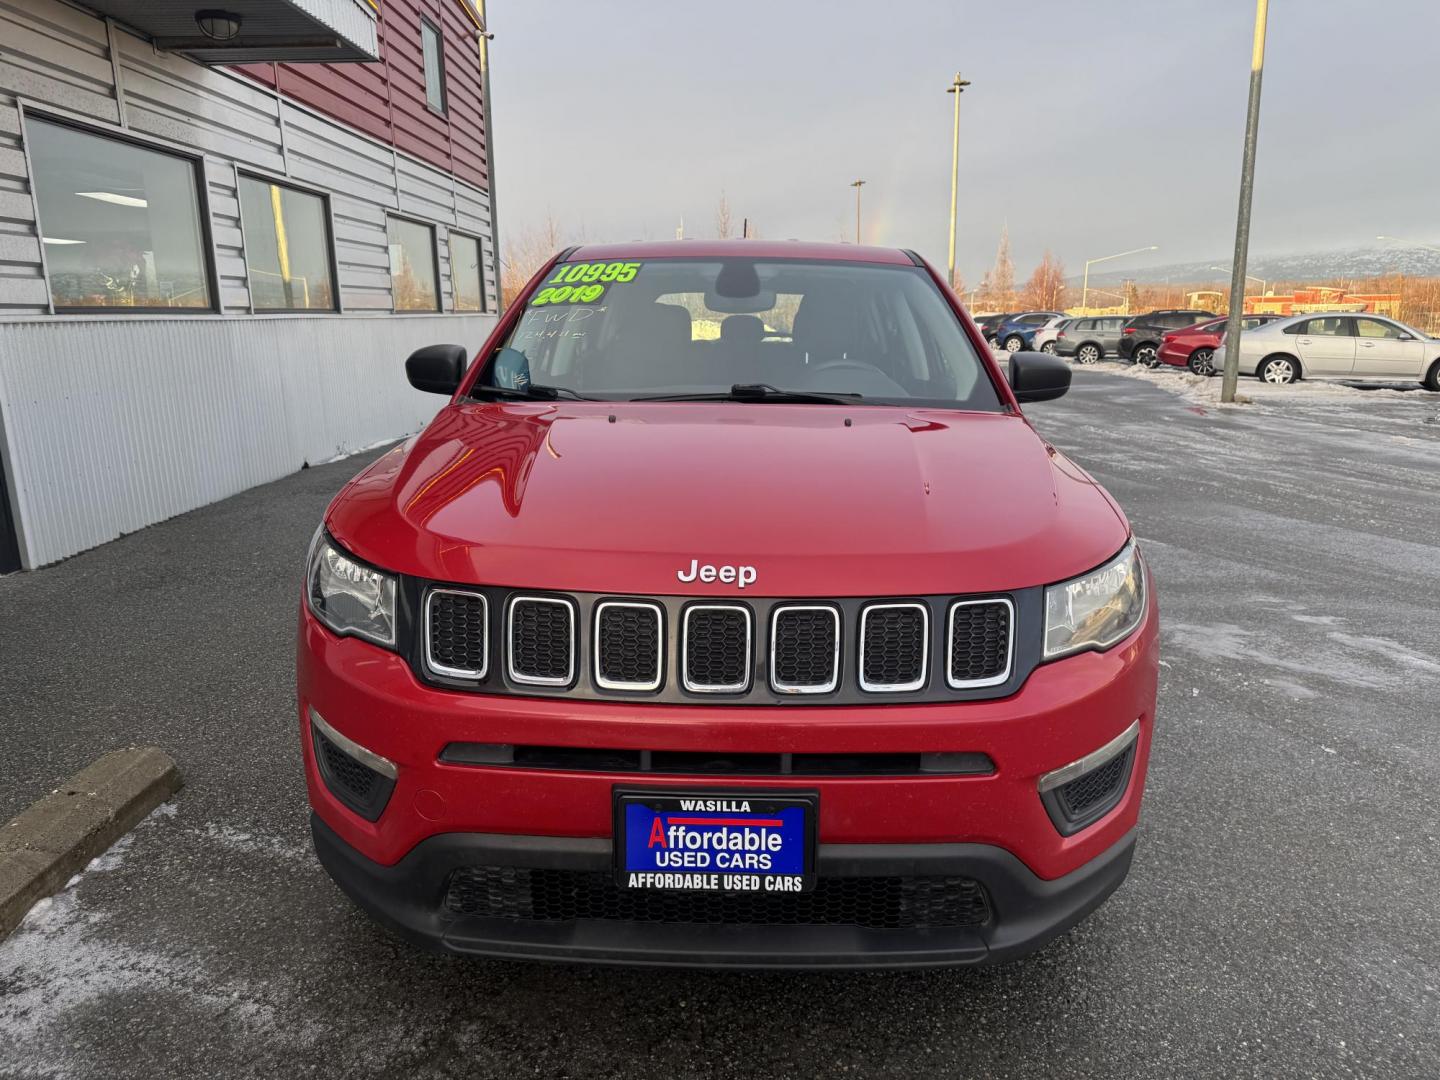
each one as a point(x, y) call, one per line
point(114, 424)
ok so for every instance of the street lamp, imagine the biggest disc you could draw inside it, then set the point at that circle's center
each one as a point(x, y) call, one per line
point(857, 185)
point(1252, 277)
point(957, 88)
point(1085, 289)
point(1412, 243)
point(1231, 370)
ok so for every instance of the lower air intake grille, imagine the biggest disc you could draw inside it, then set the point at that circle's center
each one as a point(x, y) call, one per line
point(804, 650)
point(882, 903)
point(358, 786)
point(892, 647)
point(627, 650)
point(456, 634)
point(542, 641)
point(1088, 798)
point(979, 642)
point(717, 648)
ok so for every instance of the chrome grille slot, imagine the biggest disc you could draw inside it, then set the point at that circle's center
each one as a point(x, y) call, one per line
point(981, 642)
point(716, 648)
point(628, 651)
point(541, 641)
point(457, 634)
point(805, 649)
point(894, 646)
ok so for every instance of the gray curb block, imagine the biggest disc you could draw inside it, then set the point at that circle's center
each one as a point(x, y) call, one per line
point(43, 847)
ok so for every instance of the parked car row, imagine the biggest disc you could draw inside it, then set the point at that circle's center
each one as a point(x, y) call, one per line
point(1276, 348)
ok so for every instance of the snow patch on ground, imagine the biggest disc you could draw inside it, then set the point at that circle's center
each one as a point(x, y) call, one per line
point(1205, 390)
point(249, 843)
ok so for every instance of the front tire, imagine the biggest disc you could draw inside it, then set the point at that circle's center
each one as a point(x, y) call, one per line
point(1432, 380)
point(1014, 343)
point(1147, 355)
point(1279, 370)
point(1088, 354)
point(1202, 361)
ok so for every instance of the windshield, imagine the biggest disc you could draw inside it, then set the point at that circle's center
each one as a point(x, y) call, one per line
point(626, 330)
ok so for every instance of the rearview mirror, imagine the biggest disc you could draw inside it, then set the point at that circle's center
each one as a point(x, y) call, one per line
point(436, 369)
point(1038, 376)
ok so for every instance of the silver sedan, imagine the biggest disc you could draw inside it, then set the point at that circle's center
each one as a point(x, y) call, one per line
point(1353, 346)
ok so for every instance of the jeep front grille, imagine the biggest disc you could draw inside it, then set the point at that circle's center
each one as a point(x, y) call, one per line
point(716, 648)
point(542, 641)
point(894, 645)
point(805, 649)
point(756, 650)
point(980, 642)
point(456, 635)
point(628, 645)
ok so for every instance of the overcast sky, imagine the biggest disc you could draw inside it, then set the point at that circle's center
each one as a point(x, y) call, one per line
point(1091, 127)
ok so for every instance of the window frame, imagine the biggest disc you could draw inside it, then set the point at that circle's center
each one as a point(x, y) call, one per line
point(101, 129)
point(439, 308)
point(246, 173)
point(443, 109)
point(480, 267)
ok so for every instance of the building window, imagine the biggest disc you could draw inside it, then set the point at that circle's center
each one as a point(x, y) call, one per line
point(466, 273)
point(121, 223)
point(287, 247)
point(413, 275)
point(432, 45)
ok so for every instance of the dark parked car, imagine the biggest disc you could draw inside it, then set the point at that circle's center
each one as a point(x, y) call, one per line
point(990, 324)
point(1016, 331)
point(1090, 340)
point(1140, 338)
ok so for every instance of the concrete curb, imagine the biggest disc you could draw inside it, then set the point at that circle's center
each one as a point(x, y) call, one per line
point(58, 835)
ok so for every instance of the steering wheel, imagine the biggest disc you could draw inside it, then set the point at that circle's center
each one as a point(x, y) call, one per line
point(845, 365)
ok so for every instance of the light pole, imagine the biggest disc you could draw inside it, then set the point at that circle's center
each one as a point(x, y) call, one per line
point(1412, 243)
point(857, 185)
point(957, 88)
point(1085, 289)
point(1249, 277)
point(1242, 217)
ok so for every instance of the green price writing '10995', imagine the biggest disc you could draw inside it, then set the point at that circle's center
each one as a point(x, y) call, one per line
point(583, 283)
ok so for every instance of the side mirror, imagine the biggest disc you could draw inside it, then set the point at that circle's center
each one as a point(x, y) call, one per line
point(436, 369)
point(1038, 376)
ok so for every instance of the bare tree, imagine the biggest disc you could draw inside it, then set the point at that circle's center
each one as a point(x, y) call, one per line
point(1045, 291)
point(722, 218)
point(525, 253)
point(985, 295)
point(1002, 275)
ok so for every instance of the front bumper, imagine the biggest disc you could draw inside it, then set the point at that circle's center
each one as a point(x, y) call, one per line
point(1027, 911)
point(993, 828)
point(1174, 355)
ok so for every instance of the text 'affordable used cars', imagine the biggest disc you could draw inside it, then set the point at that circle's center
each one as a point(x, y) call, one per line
point(730, 613)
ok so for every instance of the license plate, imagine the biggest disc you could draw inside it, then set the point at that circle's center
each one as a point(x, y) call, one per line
point(715, 842)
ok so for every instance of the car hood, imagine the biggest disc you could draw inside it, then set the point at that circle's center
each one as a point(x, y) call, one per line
point(820, 501)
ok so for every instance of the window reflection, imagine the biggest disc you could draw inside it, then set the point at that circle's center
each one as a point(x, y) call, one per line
point(120, 222)
point(466, 273)
point(287, 247)
point(412, 265)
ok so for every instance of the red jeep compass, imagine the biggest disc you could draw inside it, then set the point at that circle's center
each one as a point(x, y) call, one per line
point(729, 613)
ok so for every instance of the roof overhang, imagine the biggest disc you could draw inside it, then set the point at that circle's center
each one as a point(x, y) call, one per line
point(295, 31)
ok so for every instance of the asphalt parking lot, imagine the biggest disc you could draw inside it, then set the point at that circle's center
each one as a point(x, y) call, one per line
point(1282, 918)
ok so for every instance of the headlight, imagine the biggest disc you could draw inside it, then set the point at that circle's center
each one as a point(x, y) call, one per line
point(1098, 609)
point(348, 596)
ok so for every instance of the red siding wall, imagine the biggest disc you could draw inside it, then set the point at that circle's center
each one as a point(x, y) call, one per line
point(386, 99)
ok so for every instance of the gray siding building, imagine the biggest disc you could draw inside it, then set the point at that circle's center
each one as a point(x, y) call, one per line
point(220, 236)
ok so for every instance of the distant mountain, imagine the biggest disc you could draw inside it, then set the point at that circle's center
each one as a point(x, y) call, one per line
point(1315, 266)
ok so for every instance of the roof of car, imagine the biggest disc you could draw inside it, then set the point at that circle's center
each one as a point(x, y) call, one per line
point(754, 249)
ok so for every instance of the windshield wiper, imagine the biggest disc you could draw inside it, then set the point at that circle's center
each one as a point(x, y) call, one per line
point(761, 392)
point(533, 392)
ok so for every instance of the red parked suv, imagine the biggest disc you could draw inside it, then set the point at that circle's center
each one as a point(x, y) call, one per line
point(1194, 346)
point(729, 613)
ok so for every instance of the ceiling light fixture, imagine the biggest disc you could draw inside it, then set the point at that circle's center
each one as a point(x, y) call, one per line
point(111, 197)
point(218, 25)
point(57, 240)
